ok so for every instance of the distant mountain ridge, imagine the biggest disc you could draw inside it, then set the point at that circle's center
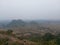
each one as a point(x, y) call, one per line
point(19, 23)
point(16, 23)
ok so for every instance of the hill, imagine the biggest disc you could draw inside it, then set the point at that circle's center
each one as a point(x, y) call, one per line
point(16, 23)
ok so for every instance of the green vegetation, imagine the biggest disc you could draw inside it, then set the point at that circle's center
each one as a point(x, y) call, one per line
point(47, 39)
point(9, 31)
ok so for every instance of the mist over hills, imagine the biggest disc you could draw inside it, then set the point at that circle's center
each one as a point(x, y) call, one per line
point(34, 26)
point(19, 22)
point(16, 23)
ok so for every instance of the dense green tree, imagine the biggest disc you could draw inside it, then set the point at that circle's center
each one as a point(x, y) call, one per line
point(48, 37)
point(9, 31)
point(58, 39)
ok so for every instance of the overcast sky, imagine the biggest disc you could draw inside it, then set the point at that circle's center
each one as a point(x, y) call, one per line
point(30, 9)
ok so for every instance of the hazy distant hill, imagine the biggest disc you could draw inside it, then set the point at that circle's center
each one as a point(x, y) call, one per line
point(29, 23)
point(16, 23)
point(3, 23)
point(47, 21)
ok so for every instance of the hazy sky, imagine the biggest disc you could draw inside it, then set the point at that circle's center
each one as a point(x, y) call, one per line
point(30, 9)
